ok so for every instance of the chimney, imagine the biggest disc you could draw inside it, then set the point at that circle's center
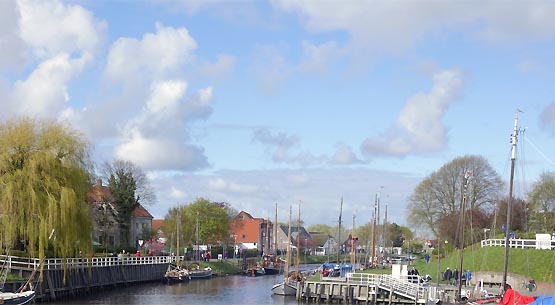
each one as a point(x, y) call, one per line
point(99, 182)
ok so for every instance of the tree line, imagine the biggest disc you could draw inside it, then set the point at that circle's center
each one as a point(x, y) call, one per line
point(436, 203)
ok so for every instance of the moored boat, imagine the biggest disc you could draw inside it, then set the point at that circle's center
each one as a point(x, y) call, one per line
point(176, 274)
point(198, 273)
point(17, 298)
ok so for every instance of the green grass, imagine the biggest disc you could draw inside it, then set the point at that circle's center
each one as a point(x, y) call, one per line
point(532, 263)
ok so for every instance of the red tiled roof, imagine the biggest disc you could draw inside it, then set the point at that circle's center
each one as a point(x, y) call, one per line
point(99, 193)
point(157, 224)
point(140, 211)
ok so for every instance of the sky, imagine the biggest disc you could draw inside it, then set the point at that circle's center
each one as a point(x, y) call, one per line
point(302, 103)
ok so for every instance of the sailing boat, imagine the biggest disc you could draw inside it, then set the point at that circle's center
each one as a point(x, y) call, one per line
point(287, 287)
point(25, 295)
point(176, 273)
point(271, 263)
point(198, 273)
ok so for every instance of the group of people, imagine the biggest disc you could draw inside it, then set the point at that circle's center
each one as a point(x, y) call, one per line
point(453, 277)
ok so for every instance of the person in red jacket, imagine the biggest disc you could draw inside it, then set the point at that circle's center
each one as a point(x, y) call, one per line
point(512, 297)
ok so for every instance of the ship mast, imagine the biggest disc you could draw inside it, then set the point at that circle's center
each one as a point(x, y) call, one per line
point(339, 233)
point(467, 175)
point(275, 232)
point(372, 257)
point(510, 199)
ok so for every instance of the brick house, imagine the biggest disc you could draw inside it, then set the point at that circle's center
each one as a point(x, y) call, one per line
point(252, 233)
point(105, 227)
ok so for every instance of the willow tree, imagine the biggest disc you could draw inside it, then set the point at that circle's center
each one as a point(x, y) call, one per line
point(44, 175)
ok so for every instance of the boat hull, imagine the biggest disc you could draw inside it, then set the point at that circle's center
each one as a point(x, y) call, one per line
point(285, 288)
point(17, 298)
point(272, 271)
point(200, 274)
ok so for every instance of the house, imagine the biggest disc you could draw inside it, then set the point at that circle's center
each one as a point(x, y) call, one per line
point(326, 244)
point(299, 237)
point(105, 226)
point(251, 233)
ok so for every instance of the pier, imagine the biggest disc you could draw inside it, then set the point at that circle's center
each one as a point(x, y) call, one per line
point(66, 278)
point(362, 288)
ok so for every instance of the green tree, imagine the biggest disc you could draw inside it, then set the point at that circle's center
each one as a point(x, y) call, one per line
point(542, 203)
point(122, 187)
point(323, 228)
point(44, 176)
point(143, 190)
point(441, 194)
point(214, 223)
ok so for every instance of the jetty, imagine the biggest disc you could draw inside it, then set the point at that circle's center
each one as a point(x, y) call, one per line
point(72, 277)
point(364, 288)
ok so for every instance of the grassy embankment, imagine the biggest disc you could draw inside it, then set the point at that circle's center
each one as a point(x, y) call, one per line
point(532, 263)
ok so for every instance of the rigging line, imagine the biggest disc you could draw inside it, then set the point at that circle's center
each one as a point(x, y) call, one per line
point(539, 151)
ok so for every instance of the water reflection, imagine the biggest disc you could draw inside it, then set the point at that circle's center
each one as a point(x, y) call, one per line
point(227, 290)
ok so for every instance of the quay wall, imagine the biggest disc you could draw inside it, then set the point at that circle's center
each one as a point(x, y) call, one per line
point(63, 279)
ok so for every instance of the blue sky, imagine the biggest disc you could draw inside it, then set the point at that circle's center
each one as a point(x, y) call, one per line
point(263, 102)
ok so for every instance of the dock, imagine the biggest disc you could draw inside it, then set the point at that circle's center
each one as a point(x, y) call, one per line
point(363, 288)
point(66, 278)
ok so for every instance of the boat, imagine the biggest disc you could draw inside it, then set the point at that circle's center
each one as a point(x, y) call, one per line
point(272, 264)
point(176, 273)
point(511, 296)
point(25, 294)
point(198, 273)
point(254, 270)
point(17, 298)
point(287, 287)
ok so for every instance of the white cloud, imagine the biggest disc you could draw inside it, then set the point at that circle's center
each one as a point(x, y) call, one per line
point(157, 137)
point(222, 185)
point(344, 155)
point(157, 153)
point(381, 26)
point(50, 28)
point(156, 56)
point(271, 67)
point(44, 93)
point(419, 128)
point(320, 191)
point(12, 50)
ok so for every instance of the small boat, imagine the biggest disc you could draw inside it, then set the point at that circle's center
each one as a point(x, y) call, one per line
point(254, 271)
point(272, 264)
point(17, 298)
point(174, 274)
point(198, 273)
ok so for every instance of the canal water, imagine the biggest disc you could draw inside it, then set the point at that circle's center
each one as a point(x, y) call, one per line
point(229, 290)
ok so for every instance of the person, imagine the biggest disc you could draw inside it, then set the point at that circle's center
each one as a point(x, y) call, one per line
point(447, 275)
point(138, 254)
point(456, 277)
point(512, 297)
point(467, 277)
point(427, 258)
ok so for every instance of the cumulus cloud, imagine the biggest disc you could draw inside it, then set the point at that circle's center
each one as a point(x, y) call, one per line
point(280, 146)
point(157, 137)
point(44, 92)
point(419, 128)
point(50, 28)
point(156, 55)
